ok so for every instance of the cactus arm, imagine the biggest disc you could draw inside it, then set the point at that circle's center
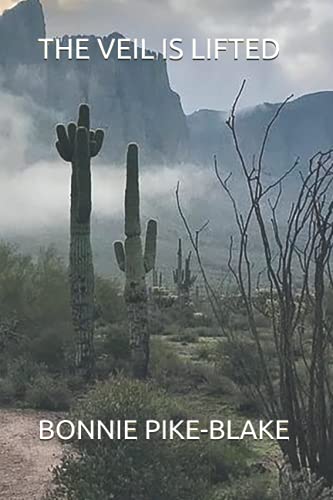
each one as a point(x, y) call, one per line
point(150, 246)
point(61, 152)
point(63, 144)
point(120, 255)
point(132, 199)
point(71, 131)
point(97, 143)
point(84, 116)
point(82, 155)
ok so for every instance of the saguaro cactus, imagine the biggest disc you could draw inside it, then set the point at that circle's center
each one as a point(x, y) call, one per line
point(77, 144)
point(183, 277)
point(136, 264)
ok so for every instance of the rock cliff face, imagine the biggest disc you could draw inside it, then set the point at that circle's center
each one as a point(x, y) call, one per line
point(132, 100)
point(303, 128)
point(20, 28)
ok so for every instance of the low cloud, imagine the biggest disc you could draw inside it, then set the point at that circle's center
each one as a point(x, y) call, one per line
point(36, 196)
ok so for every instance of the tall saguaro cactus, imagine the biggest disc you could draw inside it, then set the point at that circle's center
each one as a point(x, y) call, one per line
point(183, 278)
point(136, 264)
point(77, 144)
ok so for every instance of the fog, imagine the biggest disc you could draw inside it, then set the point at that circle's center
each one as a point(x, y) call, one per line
point(35, 195)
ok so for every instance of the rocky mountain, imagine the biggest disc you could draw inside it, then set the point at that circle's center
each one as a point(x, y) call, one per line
point(132, 100)
point(20, 28)
point(303, 128)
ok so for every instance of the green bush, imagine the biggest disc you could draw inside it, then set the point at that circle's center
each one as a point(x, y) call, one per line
point(303, 485)
point(34, 297)
point(109, 292)
point(112, 350)
point(7, 391)
point(52, 346)
point(114, 340)
point(256, 487)
point(239, 360)
point(205, 351)
point(228, 460)
point(130, 470)
point(22, 372)
point(168, 369)
point(48, 393)
point(187, 335)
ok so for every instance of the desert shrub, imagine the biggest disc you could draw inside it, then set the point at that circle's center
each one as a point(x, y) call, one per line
point(48, 393)
point(228, 460)
point(239, 322)
point(171, 329)
point(262, 321)
point(166, 367)
point(7, 391)
point(34, 294)
point(22, 372)
point(52, 346)
point(216, 383)
point(108, 292)
point(130, 470)
point(204, 352)
point(112, 349)
point(179, 374)
point(49, 302)
point(187, 335)
point(302, 485)
point(76, 383)
point(255, 487)
point(16, 271)
point(115, 340)
point(206, 331)
point(232, 357)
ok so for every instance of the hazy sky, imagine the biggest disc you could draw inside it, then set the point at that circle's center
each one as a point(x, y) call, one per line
point(304, 29)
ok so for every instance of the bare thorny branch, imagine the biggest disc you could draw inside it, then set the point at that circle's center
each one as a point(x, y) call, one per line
point(298, 318)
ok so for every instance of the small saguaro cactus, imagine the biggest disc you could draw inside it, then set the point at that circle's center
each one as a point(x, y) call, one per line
point(77, 144)
point(183, 276)
point(136, 265)
point(157, 278)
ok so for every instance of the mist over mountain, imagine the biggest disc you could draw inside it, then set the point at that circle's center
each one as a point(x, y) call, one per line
point(303, 128)
point(132, 101)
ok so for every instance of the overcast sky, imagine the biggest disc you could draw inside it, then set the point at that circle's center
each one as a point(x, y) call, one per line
point(303, 28)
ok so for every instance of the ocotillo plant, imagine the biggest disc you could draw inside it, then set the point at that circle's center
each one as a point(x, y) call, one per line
point(77, 144)
point(183, 276)
point(136, 264)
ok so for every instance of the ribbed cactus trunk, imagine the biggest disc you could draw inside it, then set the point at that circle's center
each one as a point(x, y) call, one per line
point(82, 283)
point(135, 264)
point(78, 144)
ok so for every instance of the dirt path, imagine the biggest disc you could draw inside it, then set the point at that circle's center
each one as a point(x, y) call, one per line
point(25, 461)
